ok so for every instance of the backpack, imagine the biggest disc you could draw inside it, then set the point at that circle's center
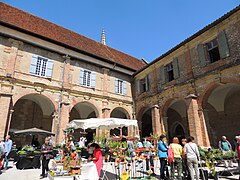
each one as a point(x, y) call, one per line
point(170, 155)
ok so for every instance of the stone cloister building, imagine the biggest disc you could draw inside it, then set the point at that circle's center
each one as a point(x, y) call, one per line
point(50, 75)
point(194, 89)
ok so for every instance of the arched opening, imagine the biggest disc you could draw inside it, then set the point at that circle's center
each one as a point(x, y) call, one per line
point(32, 110)
point(83, 110)
point(177, 120)
point(146, 129)
point(179, 131)
point(221, 111)
point(123, 114)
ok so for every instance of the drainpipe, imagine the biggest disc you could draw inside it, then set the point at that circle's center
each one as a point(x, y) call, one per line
point(61, 97)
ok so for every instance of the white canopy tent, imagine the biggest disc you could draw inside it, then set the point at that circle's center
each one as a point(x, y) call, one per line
point(103, 123)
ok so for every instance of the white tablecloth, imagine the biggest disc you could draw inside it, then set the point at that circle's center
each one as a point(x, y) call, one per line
point(88, 172)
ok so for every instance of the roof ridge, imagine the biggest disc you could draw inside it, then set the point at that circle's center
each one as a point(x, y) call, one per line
point(81, 42)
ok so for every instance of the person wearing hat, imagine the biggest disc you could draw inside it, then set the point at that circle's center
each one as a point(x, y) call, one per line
point(162, 153)
point(226, 147)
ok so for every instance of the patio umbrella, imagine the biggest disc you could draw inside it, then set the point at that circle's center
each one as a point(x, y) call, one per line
point(33, 131)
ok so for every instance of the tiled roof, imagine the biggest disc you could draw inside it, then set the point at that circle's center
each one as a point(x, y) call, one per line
point(206, 28)
point(28, 23)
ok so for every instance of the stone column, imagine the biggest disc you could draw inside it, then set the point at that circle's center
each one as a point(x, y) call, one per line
point(63, 121)
point(156, 123)
point(193, 119)
point(206, 139)
point(105, 114)
point(11, 62)
point(5, 113)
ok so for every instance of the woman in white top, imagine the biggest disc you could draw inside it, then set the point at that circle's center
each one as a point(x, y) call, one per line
point(192, 152)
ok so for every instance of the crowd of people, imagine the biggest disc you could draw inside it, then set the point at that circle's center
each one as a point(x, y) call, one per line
point(185, 158)
point(178, 160)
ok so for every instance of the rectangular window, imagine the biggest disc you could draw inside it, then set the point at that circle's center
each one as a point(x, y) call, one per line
point(169, 72)
point(119, 86)
point(87, 78)
point(213, 51)
point(41, 66)
point(144, 84)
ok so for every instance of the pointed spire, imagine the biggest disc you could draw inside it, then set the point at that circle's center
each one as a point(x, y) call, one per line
point(103, 37)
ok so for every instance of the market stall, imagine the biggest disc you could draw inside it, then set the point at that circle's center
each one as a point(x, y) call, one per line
point(29, 157)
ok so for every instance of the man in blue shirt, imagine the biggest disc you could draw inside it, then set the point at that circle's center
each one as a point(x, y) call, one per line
point(8, 147)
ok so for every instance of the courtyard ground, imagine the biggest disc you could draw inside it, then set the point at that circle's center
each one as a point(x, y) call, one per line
point(33, 174)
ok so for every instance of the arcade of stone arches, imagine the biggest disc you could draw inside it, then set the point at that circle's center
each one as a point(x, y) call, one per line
point(220, 107)
point(36, 110)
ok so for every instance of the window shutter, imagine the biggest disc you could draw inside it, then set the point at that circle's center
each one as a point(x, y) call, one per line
point(124, 88)
point(201, 55)
point(33, 65)
point(223, 45)
point(162, 75)
point(49, 68)
point(81, 76)
point(93, 79)
point(175, 68)
point(116, 86)
point(147, 82)
point(137, 86)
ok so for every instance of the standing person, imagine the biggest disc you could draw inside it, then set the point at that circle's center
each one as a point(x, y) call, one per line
point(8, 147)
point(184, 159)
point(177, 164)
point(192, 152)
point(97, 157)
point(46, 151)
point(226, 147)
point(130, 147)
point(2, 153)
point(150, 157)
point(238, 153)
point(162, 153)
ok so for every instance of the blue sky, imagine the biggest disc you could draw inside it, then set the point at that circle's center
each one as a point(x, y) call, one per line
point(142, 28)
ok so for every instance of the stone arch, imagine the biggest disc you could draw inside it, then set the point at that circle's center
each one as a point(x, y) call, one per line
point(178, 130)
point(119, 112)
point(221, 109)
point(145, 121)
point(83, 110)
point(175, 111)
point(31, 110)
point(24, 92)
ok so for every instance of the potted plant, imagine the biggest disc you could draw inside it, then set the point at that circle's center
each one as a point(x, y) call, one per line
point(211, 157)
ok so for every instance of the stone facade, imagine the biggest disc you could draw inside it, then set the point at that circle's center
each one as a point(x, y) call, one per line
point(198, 94)
point(28, 100)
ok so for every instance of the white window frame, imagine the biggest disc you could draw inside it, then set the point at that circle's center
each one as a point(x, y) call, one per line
point(87, 78)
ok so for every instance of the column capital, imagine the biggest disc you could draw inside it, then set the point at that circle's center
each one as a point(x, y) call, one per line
point(155, 106)
point(191, 96)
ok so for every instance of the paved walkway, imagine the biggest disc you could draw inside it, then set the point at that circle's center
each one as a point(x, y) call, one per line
point(33, 174)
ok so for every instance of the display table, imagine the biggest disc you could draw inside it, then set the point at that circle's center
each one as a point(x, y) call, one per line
point(88, 172)
point(28, 162)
